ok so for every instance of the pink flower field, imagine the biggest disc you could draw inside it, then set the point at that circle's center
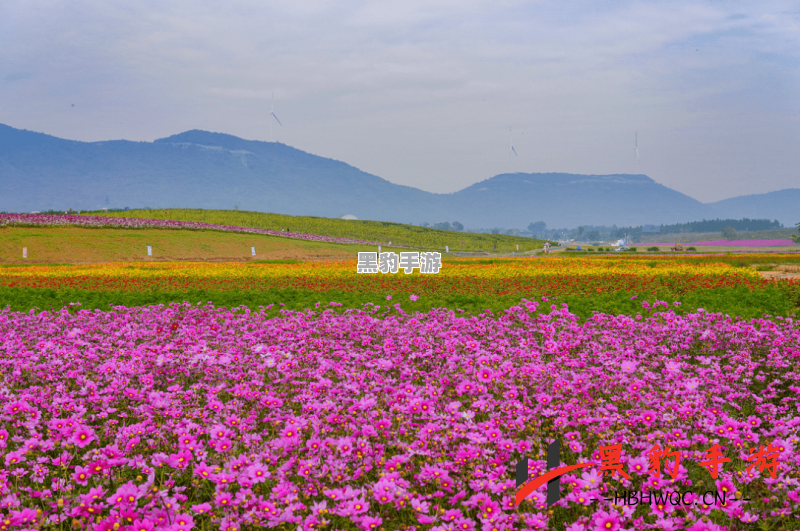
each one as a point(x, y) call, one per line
point(195, 417)
point(728, 243)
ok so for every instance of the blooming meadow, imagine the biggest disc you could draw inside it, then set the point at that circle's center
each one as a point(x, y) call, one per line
point(604, 284)
point(519, 276)
point(194, 417)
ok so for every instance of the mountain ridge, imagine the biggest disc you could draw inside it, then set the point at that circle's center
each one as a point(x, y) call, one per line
point(202, 169)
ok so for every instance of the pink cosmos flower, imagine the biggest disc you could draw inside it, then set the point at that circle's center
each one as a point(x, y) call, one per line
point(187, 442)
point(220, 432)
point(489, 511)
point(81, 475)
point(258, 473)
point(228, 524)
point(648, 418)
point(465, 387)
point(201, 508)
point(424, 519)
point(223, 445)
point(700, 525)
point(130, 446)
point(370, 522)
point(485, 375)
point(180, 459)
point(14, 458)
point(126, 494)
point(182, 522)
point(82, 437)
point(224, 478)
point(535, 521)
point(357, 506)
point(144, 524)
point(204, 471)
point(223, 499)
point(606, 521)
point(25, 517)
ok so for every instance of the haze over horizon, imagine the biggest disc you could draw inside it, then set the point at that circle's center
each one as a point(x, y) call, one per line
point(423, 94)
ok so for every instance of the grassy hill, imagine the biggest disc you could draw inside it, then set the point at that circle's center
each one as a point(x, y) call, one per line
point(397, 233)
point(91, 245)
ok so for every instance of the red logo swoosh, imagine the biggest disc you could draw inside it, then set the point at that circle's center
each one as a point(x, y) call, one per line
point(525, 491)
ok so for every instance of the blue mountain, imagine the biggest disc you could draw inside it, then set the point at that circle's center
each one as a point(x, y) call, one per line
point(200, 169)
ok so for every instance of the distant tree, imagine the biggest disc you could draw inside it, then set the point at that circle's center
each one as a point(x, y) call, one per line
point(457, 226)
point(797, 238)
point(537, 227)
point(728, 232)
point(580, 231)
point(425, 224)
point(496, 230)
point(443, 226)
point(593, 235)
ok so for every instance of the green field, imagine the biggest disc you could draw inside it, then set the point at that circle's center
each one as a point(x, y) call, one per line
point(91, 245)
point(739, 301)
point(379, 231)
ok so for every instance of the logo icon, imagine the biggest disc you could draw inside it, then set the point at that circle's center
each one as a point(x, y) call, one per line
point(552, 477)
point(765, 458)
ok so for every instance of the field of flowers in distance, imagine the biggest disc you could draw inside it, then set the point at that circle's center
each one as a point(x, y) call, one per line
point(300, 395)
point(614, 284)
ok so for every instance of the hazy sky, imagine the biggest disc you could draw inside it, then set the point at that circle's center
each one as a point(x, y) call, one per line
point(423, 93)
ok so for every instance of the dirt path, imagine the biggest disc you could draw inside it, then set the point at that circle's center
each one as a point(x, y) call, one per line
point(783, 271)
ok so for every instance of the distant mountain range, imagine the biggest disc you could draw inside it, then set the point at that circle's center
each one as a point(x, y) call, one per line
point(198, 169)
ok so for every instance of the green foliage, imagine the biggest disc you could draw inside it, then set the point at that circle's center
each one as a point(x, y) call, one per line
point(737, 301)
point(796, 237)
point(380, 231)
point(691, 248)
point(653, 248)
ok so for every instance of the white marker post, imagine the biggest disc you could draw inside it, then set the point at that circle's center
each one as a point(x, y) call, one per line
point(149, 251)
point(379, 249)
point(447, 248)
point(24, 252)
point(253, 251)
point(517, 247)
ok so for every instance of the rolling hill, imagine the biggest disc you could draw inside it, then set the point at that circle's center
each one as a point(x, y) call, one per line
point(783, 205)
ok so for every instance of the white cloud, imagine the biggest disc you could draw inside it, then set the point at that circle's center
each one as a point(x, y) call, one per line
point(423, 93)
